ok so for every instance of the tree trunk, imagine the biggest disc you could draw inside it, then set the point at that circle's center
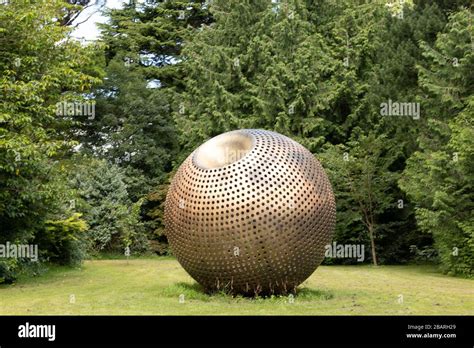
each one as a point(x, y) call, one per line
point(372, 245)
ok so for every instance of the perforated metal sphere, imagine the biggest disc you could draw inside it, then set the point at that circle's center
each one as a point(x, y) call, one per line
point(250, 211)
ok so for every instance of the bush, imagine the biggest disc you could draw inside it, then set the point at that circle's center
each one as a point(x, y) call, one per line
point(63, 240)
point(108, 210)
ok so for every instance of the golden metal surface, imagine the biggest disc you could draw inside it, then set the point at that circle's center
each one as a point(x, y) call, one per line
point(250, 211)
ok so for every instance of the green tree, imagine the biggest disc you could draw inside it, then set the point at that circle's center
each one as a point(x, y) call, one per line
point(382, 53)
point(258, 66)
point(363, 182)
point(39, 67)
point(317, 72)
point(133, 127)
point(103, 199)
point(439, 175)
point(150, 36)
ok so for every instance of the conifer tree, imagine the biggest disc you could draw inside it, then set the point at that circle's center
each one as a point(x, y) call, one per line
point(439, 175)
point(260, 65)
point(133, 127)
point(305, 70)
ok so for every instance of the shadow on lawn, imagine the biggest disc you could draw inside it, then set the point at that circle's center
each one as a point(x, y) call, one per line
point(195, 291)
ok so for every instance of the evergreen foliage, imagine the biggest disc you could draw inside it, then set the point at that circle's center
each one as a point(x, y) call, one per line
point(167, 75)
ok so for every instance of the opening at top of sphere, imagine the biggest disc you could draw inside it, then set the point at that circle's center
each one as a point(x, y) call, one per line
point(223, 150)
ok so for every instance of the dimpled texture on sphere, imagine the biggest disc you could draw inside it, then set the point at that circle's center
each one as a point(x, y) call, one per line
point(250, 212)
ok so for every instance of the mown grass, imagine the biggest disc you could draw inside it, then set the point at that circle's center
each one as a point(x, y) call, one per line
point(153, 286)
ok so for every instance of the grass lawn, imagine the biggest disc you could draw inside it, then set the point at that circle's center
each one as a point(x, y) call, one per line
point(153, 286)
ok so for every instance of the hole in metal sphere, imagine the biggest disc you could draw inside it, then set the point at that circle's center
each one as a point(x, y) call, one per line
point(223, 150)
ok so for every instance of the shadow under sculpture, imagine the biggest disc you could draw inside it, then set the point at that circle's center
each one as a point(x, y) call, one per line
point(250, 212)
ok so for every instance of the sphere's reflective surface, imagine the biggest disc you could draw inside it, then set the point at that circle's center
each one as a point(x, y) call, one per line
point(250, 211)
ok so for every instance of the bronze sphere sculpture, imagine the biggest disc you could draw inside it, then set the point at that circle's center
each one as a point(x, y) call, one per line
point(250, 212)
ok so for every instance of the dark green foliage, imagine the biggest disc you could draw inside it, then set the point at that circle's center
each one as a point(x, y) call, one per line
point(439, 176)
point(154, 206)
point(315, 72)
point(364, 186)
point(385, 69)
point(151, 37)
point(319, 72)
point(258, 66)
point(103, 199)
point(38, 68)
point(181, 71)
point(133, 127)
